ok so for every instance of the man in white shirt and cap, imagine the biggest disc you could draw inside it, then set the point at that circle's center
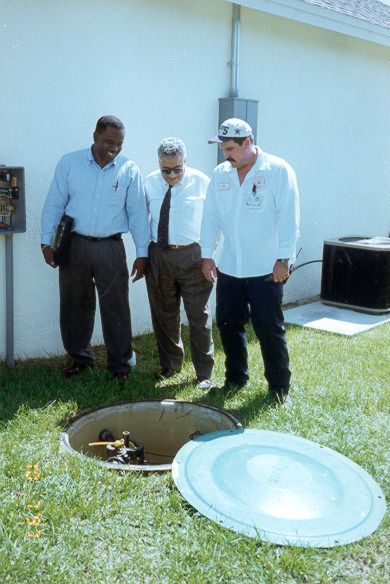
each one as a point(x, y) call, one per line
point(175, 195)
point(253, 201)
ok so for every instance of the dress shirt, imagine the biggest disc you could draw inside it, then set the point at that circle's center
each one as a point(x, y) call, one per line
point(102, 201)
point(187, 202)
point(259, 219)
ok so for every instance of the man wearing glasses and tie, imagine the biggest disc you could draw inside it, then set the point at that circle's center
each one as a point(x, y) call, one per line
point(175, 197)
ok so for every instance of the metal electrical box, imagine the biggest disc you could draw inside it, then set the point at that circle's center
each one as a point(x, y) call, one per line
point(356, 273)
point(236, 107)
point(12, 200)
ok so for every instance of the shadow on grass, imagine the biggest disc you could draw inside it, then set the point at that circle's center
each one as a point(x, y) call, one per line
point(249, 405)
point(36, 383)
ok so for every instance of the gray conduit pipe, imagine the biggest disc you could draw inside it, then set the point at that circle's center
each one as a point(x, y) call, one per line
point(235, 50)
point(9, 299)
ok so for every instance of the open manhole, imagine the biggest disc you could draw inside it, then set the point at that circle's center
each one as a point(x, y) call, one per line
point(160, 427)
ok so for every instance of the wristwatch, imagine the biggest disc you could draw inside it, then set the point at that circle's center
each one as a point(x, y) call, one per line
point(283, 260)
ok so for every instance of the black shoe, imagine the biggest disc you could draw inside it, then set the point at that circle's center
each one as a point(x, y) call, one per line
point(232, 384)
point(76, 368)
point(120, 377)
point(229, 387)
point(282, 397)
point(163, 373)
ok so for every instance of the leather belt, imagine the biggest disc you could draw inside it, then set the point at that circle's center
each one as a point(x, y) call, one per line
point(172, 246)
point(181, 246)
point(116, 237)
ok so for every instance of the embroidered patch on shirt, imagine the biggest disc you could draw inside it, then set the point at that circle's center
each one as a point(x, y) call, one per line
point(254, 201)
point(224, 186)
point(260, 182)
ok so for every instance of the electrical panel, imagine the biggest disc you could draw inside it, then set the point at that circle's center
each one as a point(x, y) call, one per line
point(12, 200)
point(236, 107)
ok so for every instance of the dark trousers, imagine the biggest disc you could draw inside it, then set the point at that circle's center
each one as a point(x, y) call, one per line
point(257, 299)
point(101, 266)
point(174, 274)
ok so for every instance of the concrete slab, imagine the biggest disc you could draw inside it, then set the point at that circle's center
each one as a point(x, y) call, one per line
point(333, 319)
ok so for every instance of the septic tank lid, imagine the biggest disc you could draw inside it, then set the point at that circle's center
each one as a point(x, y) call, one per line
point(278, 487)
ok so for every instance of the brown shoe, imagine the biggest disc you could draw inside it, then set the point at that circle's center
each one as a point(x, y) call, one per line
point(76, 368)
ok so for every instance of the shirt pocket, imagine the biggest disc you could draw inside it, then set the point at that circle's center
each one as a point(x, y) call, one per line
point(117, 196)
point(191, 209)
point(256, 201)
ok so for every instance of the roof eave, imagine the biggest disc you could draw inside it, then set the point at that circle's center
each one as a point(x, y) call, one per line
point(321, 17)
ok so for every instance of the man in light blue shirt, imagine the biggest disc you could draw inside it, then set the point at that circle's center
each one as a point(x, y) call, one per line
point(103, 192)
point(253, 201)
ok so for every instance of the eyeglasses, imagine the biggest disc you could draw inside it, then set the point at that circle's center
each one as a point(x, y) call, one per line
point(168, 171)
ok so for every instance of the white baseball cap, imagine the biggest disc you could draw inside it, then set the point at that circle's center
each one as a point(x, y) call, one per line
point(232, 128)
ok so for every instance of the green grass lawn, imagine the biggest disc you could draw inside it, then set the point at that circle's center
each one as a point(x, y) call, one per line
point(79, 522)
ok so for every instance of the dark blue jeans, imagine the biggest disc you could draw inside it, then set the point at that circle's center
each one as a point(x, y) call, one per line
point(257, 299)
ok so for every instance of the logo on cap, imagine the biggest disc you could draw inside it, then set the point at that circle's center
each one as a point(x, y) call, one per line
point(232, 128)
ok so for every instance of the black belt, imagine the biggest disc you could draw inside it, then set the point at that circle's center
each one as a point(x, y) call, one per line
point(116, 237)
point(172, 246)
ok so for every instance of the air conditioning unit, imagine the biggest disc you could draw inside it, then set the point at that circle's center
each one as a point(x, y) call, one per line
point(356, 273)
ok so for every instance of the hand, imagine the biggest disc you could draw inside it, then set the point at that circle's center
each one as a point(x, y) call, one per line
point(140, 267)
point(209, 270)
point(48, 254)
point(280, 272)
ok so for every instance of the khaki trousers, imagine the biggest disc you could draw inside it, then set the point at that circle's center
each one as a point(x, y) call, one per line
point(175, 274)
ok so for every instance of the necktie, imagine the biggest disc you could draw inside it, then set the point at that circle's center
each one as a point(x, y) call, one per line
point(162, 230)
